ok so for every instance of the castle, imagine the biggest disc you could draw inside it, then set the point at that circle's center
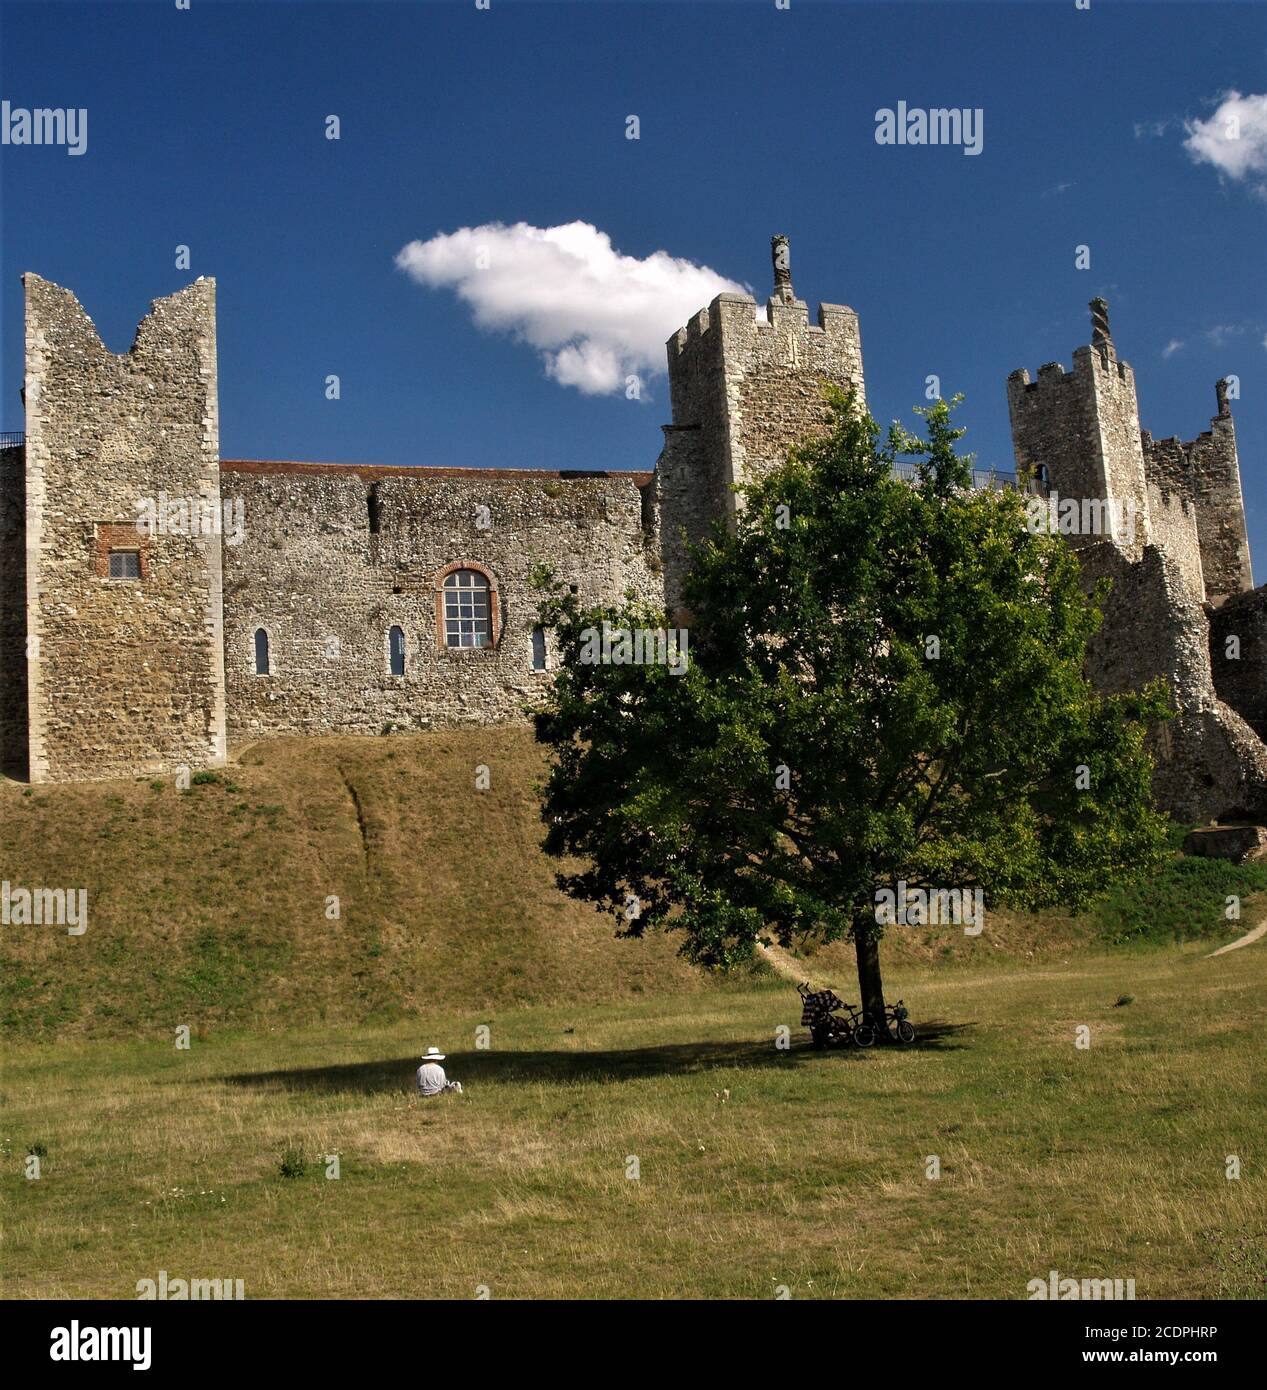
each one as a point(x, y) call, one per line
point(268, 598)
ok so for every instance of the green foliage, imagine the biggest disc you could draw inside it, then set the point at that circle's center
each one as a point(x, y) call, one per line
point(821, 745)
point(292, 1164)
point(1183, 899)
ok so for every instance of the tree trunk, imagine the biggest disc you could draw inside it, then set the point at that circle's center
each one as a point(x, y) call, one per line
point(870, 984)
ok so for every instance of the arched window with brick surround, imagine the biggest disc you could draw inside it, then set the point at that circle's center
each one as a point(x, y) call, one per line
point(467, 612)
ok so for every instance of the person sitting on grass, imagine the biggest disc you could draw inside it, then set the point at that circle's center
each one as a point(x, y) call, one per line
point(431, 1078)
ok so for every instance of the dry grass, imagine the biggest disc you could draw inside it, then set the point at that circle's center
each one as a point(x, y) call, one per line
point(208, 907)
point(1106, 1162)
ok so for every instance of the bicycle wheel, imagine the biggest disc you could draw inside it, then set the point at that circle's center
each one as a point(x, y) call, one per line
point(864, 1035)
point(905, 1031)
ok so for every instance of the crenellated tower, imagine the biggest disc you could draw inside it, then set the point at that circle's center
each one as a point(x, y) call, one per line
point(743, 391)
point(1078, 431)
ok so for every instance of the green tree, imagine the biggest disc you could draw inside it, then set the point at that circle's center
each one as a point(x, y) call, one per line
point(884, 684)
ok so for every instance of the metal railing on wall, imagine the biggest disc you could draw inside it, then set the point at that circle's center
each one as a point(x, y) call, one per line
point(983, 479)
point(12, 439)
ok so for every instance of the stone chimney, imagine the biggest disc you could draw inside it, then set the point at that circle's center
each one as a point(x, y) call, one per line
point(781, 255)
point(1100, 335)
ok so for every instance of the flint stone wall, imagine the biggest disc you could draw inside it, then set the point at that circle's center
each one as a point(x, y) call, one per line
point(1209, 763)
point(327, 590)
point(1241, 681)
point(13, 721)
point(129, 676)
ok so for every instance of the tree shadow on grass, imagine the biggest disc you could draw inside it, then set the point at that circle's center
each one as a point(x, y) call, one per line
point(668, 1059)
point(938, 1035)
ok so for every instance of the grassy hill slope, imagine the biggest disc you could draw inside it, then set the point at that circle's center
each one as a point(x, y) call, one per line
point(209, 907)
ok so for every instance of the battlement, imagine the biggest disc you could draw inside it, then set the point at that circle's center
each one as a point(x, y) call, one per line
point(1078, 431)
point(732, 313)
point(1089, 363)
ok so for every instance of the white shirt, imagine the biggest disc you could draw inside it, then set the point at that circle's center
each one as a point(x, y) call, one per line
point(431, 1078)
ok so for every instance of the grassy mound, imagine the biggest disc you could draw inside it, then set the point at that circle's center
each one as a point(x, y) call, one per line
point(217, 905)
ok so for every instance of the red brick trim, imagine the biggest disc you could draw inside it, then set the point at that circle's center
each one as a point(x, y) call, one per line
point(494, 608)
point(118, 535)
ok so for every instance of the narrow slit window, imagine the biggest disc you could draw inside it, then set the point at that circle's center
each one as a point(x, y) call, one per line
point(538, 649)
point(396, 650)
point(261, 652)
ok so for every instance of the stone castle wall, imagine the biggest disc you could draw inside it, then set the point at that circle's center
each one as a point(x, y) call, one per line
point(1080, 431)
point(1209, 761)
point(1206, 472)
point(1216, 477)
point(1084, 428)
point(327, 588)
point(1240, 667)
point(127, 676)
point(1172, 519)
point(13, 720)
point(132, 677)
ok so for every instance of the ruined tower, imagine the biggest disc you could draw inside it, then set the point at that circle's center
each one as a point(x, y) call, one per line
point(1206, 472)
point(1078, 431)
point(743, 391)
point(123, 628)
point(1185, 554)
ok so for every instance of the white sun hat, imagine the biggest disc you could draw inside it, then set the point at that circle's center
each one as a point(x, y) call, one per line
point(433, 1054)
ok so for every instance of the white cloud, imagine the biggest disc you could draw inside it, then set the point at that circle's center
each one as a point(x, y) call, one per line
point(1172, 347)
point(1221, 332)
point(1233, 139)
point(595, 316)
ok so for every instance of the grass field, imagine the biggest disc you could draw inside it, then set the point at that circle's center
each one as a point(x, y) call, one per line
point(809, 1174)
point(209, 907)
point(758, 1168)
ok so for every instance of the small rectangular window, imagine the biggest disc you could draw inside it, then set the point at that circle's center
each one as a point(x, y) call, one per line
point(538, 649)
point(125, 564)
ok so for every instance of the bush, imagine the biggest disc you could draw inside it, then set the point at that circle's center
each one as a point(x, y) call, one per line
point(293, 1164)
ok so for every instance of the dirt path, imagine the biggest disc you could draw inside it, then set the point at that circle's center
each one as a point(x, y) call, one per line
point(1259, 931)
point(783, 963)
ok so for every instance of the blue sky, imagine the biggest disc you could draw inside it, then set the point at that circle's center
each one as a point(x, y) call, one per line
point(207, 129)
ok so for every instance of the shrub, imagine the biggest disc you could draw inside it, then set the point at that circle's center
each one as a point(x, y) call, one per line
point(292, 1164)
